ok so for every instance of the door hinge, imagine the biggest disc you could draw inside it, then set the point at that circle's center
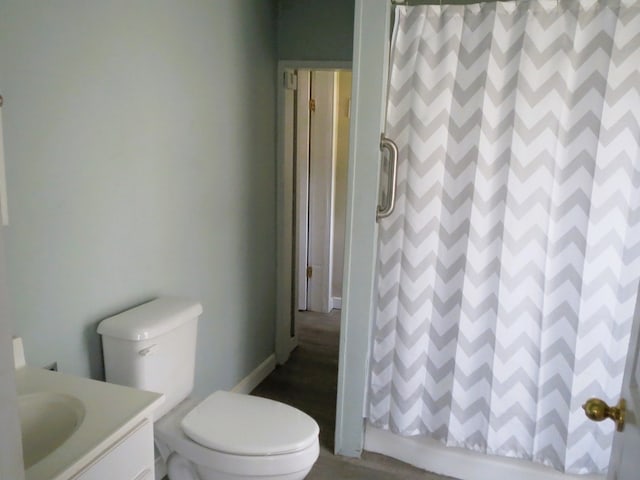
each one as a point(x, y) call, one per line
point(312, 105)
point(309, 271)
point(290, 80)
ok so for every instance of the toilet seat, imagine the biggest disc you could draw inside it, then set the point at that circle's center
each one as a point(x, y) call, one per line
point(170, 437)
point(245, 425)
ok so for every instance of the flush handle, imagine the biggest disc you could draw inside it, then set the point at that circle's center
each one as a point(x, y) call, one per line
point(147, 350)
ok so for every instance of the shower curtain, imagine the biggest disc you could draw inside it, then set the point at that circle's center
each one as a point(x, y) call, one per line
point(508, 273)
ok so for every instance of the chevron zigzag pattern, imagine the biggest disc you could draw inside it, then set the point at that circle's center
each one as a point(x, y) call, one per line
point(508, 274)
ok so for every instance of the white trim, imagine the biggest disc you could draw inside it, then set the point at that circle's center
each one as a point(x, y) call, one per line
point(336, 303)
point(284, 228)
point(302, 133)
point(372, 19)
point(314, 65)
point(293, 343)
point(433, 456)
point(252, 380)
point(160, 467)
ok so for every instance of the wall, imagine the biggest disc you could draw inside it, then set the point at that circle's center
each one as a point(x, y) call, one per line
point(315, 29)
point(11, 466)
point(141, 161)
point(340, 179)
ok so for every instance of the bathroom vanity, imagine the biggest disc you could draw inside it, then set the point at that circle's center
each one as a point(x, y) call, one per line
point(81, 429)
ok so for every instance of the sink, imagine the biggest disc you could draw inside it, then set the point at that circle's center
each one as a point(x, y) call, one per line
point(47, 419)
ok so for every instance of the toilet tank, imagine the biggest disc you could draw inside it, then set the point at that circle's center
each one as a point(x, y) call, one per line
point(153, 347)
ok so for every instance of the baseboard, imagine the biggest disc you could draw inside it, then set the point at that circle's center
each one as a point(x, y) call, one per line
point(160, 467)
point(252, 380)
point(293, 343)
point(336, 302)
point(434, 457)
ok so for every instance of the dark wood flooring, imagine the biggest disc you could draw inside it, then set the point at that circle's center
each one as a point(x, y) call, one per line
point(308, 381)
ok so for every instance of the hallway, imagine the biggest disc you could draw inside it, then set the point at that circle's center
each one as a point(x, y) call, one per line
point(308, 381)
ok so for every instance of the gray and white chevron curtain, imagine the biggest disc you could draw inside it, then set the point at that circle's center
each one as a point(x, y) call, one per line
point(508, 273)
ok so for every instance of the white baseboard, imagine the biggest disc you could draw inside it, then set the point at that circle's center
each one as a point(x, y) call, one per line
point(336, 302)
point(161, 468)
point(293, 343)
point(434, 457)
point(252, 380)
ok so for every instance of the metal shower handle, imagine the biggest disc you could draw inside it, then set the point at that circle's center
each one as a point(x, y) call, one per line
point(384, 211)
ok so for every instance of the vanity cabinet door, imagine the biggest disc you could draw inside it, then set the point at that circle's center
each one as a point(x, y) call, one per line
point(130, 458)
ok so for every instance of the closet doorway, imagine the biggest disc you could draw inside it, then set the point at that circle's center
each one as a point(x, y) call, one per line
point(313, 142)
point(321, 138)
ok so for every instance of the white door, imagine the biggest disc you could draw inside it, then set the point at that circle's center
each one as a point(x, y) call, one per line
point(321, 155)
point(302, 184)
point(625, 458)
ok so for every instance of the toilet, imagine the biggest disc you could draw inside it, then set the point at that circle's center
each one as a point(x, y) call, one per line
point(225, 436)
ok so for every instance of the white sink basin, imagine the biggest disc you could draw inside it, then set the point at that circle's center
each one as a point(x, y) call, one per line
point(47, 420)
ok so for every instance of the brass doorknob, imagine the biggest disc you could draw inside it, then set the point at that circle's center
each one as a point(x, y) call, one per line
point(597, 410)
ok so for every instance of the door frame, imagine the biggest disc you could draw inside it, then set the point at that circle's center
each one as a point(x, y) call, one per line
point(286, 339)
point(372, 32)
point(302, 142)
point(372, 26)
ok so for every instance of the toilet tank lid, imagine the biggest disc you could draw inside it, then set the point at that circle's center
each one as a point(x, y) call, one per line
point(150, 319)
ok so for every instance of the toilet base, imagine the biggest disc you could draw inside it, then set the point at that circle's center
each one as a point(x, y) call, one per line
point(211, 474)
point(180, 468)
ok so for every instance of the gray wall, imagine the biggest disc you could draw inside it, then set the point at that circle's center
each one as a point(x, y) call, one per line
point(141, 161)
point(11, 466)
point(315, 29)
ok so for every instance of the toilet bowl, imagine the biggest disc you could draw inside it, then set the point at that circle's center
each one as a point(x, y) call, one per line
point(225, 436)
point(241, 448)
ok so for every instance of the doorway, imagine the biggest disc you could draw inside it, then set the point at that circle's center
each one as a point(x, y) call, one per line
point(313, 151)
point(321, 146)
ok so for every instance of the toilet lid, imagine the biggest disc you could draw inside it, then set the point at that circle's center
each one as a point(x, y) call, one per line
point(246, 425)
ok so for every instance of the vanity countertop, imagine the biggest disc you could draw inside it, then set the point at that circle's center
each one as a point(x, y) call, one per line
point(110, 411)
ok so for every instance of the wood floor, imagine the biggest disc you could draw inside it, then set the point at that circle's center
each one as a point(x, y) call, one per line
point(308, 382)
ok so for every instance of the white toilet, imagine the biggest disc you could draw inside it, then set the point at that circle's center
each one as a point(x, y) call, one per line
point(226, 436)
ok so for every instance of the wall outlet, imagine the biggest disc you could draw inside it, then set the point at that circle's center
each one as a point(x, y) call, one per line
point(52, 367)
